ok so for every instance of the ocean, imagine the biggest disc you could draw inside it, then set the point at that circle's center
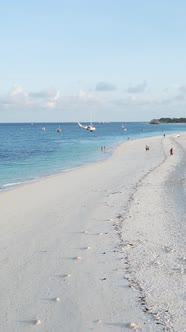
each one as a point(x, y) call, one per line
point(28, 153)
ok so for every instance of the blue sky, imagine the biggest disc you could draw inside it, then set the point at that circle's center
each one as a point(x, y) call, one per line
point(113, 60)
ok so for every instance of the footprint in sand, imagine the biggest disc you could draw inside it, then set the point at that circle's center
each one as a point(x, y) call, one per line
point(168, 249)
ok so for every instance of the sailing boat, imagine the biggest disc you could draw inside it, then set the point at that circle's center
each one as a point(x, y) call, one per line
point(90, 127)
point(59, 129)
point(123, 127)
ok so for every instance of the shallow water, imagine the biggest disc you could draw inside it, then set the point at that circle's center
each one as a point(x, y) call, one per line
point(28, 153)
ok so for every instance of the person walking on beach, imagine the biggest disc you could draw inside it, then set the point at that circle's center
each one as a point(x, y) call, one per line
point(171, 152)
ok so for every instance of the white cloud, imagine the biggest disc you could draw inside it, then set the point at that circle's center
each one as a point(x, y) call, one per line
point(52, 99)
point(88, 97)
point(17, 96)
point(57, 95)
point(17, 91)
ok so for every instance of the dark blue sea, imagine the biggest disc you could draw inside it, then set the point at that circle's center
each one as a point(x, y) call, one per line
point(28, 153)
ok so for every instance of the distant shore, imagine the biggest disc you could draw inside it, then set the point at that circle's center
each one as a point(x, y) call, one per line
point(168, 120)
point(100, 247)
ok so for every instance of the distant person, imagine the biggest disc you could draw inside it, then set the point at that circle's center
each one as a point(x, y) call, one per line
point(147, 148)
point(171, 152)
point(163, 135)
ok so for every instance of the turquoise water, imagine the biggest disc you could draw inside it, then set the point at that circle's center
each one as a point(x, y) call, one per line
point(28, 153)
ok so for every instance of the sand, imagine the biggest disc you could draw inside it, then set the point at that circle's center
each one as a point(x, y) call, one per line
point(99, 248)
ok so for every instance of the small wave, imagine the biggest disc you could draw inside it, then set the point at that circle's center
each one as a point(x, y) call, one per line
point(14, 184)
point(11, 184)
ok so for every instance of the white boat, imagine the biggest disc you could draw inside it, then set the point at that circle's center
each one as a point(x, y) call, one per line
point(43, 128)
point(123, 127)
point(88, 127)
point(59, 129)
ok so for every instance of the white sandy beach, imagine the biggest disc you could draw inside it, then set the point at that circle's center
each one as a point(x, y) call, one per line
point(100, 248)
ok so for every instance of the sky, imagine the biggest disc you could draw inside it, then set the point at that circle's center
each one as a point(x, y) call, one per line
point(100, 60)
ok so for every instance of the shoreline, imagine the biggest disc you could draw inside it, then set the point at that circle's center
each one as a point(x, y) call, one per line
point(87, 249)
point(109, 153)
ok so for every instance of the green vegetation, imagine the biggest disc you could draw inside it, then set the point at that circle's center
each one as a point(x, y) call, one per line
point(172, 120)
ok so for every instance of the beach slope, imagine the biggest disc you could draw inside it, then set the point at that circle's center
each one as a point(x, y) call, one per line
point(98, 248)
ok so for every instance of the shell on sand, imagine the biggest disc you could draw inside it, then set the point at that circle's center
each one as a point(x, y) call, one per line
point(129, 244)
point(134, 326)
point(88, 248)
point(133, 285)
point(37, 322)
point(57, 299)
point(78, 258)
